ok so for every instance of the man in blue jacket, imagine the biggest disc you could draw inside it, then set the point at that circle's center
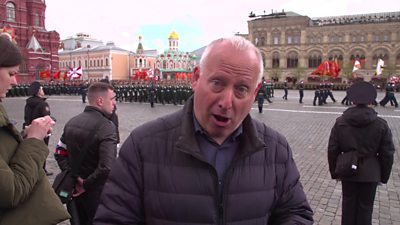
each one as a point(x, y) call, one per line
point(209, 163)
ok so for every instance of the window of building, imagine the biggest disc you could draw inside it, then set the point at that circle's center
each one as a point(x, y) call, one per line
point(37, 20)
point(314, 60)
point(90, 63)
point(73, 63)
point(262, 41)
point(398, 60)
point(386, 36)
point(86, 64)
point(380, 54)
point(276, 37)
point(106, 61)
point(275, 60)
point(256, 41)
point(362, 38)
point(289, 40)
point(10, 11)
point(276, 40)
point(376, 37)
point(79, 63)
point(353, 39)
point(292, 60)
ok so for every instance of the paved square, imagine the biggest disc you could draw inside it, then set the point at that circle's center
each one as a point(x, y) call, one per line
point(306, 127)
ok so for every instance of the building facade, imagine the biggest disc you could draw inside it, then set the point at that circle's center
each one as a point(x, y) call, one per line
point(24, 22)
point(293, 45)
point(98, 60)
point(173, 63)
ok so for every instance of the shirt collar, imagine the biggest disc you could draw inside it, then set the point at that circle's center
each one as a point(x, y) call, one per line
point(198, 129)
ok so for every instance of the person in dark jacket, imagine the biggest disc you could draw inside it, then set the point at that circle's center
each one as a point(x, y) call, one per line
point(360, 129)
point(35, 107)
point(210, 162)
point(99, 155)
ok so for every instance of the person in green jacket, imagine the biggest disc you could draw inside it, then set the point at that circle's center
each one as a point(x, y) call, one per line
point(26, 196)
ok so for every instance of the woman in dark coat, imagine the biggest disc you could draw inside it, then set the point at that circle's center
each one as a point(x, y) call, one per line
point(360, 129)
point(26, 196)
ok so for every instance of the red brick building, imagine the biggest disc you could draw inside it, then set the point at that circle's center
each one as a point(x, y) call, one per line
point(24, 22)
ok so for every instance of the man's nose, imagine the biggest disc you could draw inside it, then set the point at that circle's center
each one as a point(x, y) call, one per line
point(226, 99)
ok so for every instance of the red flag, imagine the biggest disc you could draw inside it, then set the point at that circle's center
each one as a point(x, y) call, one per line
point(65, 75)
point(57, 75)
point(44, 74)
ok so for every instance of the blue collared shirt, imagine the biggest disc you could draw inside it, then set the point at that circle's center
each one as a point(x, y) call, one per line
point(220, 156)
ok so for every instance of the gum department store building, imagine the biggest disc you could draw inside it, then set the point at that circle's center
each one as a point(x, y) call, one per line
point(293, 45)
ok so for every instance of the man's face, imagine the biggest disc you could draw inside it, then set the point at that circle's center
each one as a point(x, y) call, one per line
point(225, 89)
point(108, 102)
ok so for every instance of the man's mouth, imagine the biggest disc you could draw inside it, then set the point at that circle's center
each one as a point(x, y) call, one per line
point(221, 119)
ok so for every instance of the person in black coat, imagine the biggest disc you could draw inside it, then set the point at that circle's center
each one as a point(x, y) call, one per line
point(35, 107)
point(360, 129)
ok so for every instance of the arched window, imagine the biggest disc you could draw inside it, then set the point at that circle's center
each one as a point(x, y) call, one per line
point(380, 54)
point(262, 41)
point(292, 60)
point(357, 55)
point(398, 60)
point(106, 61)
point(10, 11)
point(314, 59)
point(275, 60)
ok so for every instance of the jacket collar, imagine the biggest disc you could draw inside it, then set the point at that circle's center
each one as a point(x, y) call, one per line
point(249, 141)
point(90, 108)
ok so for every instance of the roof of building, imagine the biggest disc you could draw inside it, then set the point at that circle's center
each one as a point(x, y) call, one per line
point(34, 44)
point(173, 35)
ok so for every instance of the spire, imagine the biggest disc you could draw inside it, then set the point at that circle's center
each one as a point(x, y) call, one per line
point(139, 49)
point(34, 44)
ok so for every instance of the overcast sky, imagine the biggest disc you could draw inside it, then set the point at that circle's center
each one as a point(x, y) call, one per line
point(196, 21)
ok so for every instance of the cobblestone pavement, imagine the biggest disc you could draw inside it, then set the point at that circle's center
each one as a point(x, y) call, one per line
point(306, 127)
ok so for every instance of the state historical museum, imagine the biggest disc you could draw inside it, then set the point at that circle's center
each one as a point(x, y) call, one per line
point(23, 21)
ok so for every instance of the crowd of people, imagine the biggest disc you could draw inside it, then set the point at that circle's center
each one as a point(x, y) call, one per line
point(210, 162)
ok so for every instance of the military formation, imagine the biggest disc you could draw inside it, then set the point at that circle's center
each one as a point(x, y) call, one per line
point(163, 92)
point(178, 91)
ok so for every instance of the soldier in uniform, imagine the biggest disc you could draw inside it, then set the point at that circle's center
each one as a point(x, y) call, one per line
point(389, 96)
point(317, 96)
point(285, 89)
point(301, 91)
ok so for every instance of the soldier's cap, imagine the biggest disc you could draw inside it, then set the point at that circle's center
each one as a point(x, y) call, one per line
point(361, 93)
point(34, 88)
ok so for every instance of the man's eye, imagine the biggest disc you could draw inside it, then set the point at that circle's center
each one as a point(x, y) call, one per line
point(242, 91)
point(216, 85)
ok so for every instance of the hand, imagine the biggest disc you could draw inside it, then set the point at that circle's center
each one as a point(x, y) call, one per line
point(40, 128)
point(79, 189)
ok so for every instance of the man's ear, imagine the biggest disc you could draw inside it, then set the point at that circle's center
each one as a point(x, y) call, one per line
point(258, 87)
point(196, 76)
point(99, 101)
